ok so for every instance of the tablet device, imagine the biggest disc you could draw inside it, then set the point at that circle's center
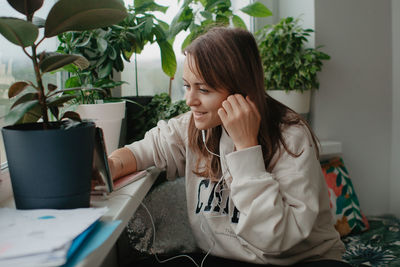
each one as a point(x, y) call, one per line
point(101, 176)
point(102, 180)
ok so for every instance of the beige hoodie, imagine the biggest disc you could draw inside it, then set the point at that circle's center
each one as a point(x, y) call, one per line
point(281, 217)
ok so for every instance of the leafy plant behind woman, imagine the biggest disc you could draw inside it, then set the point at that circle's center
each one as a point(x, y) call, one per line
point(288, 64)
point(108, 47)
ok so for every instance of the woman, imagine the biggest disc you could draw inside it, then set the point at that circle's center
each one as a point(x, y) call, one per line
point(254, 187)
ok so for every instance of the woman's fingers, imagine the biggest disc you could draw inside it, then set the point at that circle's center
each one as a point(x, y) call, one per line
point(253, 107)
point(241, 120)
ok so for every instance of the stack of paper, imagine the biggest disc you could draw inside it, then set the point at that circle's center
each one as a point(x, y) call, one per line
point(42, 237)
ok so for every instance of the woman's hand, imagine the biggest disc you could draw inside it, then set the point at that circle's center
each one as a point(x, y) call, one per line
point(112, 167)
point(121, 162)
point(241, 119)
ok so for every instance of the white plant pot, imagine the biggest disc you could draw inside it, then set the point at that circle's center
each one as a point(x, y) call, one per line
point(107, 116)
point(296, 100)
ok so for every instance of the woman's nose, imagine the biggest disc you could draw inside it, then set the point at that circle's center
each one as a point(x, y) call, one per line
point(191, 98)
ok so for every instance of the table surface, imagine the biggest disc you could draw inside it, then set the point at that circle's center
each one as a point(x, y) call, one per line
point(121, 204)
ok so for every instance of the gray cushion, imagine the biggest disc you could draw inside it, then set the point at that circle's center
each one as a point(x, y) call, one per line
point(166, 203)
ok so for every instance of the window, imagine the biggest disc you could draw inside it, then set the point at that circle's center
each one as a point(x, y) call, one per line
point(15, 65)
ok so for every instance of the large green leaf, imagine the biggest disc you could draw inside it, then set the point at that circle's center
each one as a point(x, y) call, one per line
point(57, 61)
point(168, 59)
point(78, 15)
point(238, 22)
point(181, 21)
point(26, 7)
point(19, 32)
point(257, 10)
point(19, 111)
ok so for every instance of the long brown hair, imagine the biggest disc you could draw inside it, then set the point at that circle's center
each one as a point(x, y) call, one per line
point(228, 58)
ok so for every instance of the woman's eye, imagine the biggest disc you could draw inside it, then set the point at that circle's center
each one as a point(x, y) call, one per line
point(203, 90)
point(186, 87)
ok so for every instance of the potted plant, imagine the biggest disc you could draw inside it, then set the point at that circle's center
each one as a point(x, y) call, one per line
point(160, 107)
point(50, 162)
point(197, 16)
point(103, 52)
point(106, 49)
point(290, 67)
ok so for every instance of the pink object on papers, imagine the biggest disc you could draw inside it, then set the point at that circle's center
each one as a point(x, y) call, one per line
point(127, 179)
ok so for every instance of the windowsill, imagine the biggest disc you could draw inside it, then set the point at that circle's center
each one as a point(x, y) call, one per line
point(6, 197)
point(330, 149)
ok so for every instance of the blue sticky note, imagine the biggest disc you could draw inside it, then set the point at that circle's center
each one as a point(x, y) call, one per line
point(94, 237)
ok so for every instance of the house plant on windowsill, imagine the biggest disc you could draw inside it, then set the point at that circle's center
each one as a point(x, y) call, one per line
point(290, 67)
point(50, 162)
point(106, 49)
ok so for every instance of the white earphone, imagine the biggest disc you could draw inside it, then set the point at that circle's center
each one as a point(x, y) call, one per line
point(203, 133)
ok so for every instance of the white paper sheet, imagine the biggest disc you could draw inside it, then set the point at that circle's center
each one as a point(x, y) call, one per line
point(42, 237)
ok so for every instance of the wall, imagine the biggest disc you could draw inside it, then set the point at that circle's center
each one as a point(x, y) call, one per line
point(395, 170)
point(354, 103)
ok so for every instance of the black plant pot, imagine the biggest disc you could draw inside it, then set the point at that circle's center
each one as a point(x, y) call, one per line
point(52, 168)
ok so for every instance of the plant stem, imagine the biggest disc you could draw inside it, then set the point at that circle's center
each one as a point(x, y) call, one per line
point(42, 97)
point(136, 75)
point(170, 87)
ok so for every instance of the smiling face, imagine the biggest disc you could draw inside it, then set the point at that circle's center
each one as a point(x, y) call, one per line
point(203, 100)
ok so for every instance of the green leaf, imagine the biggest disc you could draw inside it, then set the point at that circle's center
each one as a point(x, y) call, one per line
point(17, 88)
point(181, 21)
point(19, 32)
point(26, 7)
point(59, 101)
point(168, 59)
point(25, 98)
point(105, 70)
point(187, 40)
point(73, 82)
point(78, 15)
point(19, 111)
point(142, 6)
point(101, 44)
point(56, 61)
point(81, 62)
point(257, 10)
point(148, 25)
point(238, 22)
point(32, 115)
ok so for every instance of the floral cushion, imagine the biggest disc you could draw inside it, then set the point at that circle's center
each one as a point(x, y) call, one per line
point(343, 199)
point(378, 247)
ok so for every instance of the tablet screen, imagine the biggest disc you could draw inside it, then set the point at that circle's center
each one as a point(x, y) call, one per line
point(101, 169)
